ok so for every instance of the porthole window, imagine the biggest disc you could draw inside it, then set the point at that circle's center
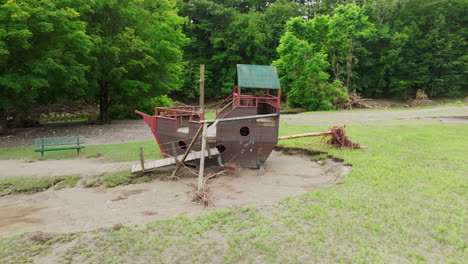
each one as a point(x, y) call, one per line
point(244, 131)
point(182, 144)
point(221, 148)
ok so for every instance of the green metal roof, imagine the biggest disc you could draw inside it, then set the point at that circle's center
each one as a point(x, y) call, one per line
point(257, 76)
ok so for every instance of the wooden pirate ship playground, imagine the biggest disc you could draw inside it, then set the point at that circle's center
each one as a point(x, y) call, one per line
point(244, 132)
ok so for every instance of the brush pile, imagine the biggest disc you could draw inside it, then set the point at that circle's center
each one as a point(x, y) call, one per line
point(421, 99)
point(339, 139)
point(355, 101)
point(204, 196)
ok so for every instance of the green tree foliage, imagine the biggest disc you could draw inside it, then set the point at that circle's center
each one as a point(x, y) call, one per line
point(347, 27)
point(121, 52)
point(303, 67)
point(224, 33)
point(137, 51)
point(420, 44)
point(41, 45)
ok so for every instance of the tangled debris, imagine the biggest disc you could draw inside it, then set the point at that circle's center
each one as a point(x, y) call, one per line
point(204, 196)
point(355, 101)
point(41, 237)
point(421, 99)
point(339, 139)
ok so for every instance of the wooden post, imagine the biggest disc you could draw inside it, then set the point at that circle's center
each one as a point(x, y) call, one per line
point(202, 88)
point(174, 152)
point(142, 160)
point(202, 158)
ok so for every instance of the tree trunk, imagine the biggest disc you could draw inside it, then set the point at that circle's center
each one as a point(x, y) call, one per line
point(3, 121)
point(104, 103)
point(349, 62)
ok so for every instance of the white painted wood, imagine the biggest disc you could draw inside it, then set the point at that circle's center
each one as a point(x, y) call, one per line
point(201, 170)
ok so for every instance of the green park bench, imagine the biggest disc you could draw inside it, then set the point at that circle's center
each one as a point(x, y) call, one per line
point(59, 141)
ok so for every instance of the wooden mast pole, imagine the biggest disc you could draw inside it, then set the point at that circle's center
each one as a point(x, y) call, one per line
point(202, 89)
point(204, 128)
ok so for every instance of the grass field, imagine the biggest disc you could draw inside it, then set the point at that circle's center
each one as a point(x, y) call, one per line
point(112, 152)
point(405, 201)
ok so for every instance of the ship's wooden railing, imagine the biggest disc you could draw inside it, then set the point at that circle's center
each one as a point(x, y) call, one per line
point(179, 111)
point(245, 100)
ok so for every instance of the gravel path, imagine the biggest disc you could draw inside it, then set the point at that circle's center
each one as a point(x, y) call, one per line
point(117, 132)
point(136, 130)
point(443, 114)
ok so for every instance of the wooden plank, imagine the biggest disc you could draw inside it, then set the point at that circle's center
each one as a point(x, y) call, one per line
point(202, 88)
point(54, 149)
point(306, 135)
point(154, 164)
point(58, 141)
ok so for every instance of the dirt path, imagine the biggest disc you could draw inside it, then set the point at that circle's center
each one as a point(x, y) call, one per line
point(135, 130)
point(80, 209)
point(444, 114)
point(84, 167)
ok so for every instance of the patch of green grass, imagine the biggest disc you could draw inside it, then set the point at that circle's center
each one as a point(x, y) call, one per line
point(405, 201)
point(112, 152)
point(21, 248)
point(36, 184)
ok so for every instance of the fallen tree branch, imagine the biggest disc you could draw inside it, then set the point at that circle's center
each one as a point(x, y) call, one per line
point(337, 134)
point(326, 133)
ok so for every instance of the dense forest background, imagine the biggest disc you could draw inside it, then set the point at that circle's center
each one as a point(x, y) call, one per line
point(127, 54)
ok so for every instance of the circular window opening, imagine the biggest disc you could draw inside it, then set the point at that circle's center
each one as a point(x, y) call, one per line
point(244, 131)
point(221, 148)
point(182, 144)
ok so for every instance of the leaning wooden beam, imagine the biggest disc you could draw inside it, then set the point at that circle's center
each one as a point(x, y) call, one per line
point(238, 118)
point(306, 135)
point(200, 128)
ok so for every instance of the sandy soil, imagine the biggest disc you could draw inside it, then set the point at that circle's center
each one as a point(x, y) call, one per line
point(80, 209)
point(136, 130)
point(84, 167)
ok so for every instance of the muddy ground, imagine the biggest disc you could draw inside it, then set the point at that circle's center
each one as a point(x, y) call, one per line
point(80, 209)
point(136, 130)
point(84, 167)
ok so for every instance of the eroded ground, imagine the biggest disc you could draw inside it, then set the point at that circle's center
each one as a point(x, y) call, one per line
point(80, 209)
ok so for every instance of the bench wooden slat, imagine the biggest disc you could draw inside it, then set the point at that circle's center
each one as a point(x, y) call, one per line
point(52, 149)
point(59, 141)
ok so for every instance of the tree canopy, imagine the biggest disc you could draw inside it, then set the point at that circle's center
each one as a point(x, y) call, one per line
point(121, 54)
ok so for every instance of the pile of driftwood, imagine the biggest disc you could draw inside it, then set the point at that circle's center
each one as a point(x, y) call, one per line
point(336, 137)
point(355, 101)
